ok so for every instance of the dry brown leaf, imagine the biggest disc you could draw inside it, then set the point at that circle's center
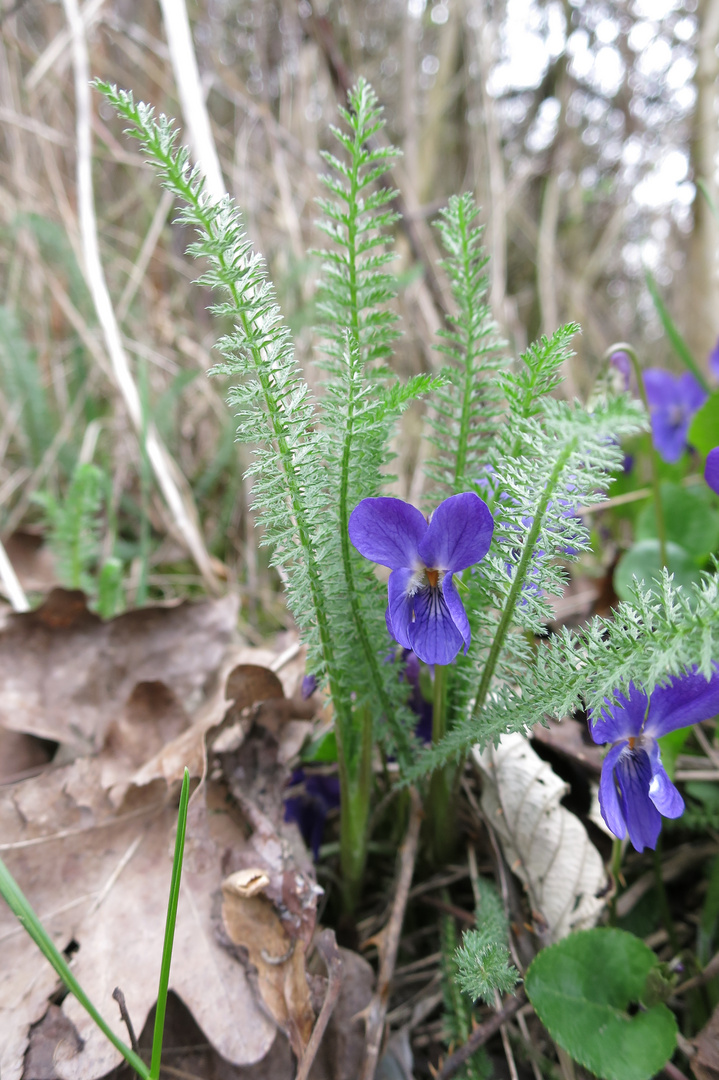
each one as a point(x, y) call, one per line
point(20, 753)
point(234, 704)
point(63, 672)
point(342, 1049)
point(705, 1062)
point(101, 879)
point(53, 1029)
point(270, 906)
point(251, 921)
point(91, 842)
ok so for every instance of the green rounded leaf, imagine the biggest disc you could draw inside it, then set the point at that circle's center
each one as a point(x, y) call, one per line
point(643, 562)
point(690, 521)
point(587, 990)
point(704, 430)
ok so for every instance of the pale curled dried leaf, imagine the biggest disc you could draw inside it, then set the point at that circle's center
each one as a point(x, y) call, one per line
point(63, 670)
point(545, 845)
point(252, 922)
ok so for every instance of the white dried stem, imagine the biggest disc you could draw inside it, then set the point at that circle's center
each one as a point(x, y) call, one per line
point(166, 471)
point(192, 97)
point(13, 589)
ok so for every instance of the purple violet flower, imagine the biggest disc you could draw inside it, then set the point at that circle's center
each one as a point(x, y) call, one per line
point(711, 469)
point(635, 790)
point(424, 612)
point(620, 362)
point(673, 400)
point(309, 685)
point(312, 797)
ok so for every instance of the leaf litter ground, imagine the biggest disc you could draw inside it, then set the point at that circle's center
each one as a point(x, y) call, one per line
point(121, 707)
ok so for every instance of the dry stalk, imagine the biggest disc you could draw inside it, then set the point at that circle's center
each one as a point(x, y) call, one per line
point(166, 471)
point(13, 589)
point(389, 941)
point(479, 1037)
point(327, 948)
point(192, 97)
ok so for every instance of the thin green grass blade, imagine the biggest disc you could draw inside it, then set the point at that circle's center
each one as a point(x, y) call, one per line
point(702, 185)
point(20, 906)
point(170, 929)
point(679, 344)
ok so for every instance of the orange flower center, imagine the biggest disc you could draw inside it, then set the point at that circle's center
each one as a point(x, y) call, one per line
point(632, 740)
point(432, 577)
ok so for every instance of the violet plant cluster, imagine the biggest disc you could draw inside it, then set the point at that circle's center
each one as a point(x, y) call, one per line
point(474, 566)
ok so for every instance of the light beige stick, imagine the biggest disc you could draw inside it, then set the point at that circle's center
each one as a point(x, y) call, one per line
point(166, 471)
point(13, 589)
point(192, 97)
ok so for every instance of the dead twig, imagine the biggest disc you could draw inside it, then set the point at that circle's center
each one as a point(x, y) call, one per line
point(326, 946)
point(389, 942)
point(120, 999)
point(479, 1037)
point(673, 1072)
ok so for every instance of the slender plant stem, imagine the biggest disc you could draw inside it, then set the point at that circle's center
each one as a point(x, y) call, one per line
point(356, 802)
point(518, 581)
point(622, 346)
point(170, 929)
point(463, 438)
point(441, 783)
point(616, 874)
point(20, 906)
point(665, 910)
point(354, 815)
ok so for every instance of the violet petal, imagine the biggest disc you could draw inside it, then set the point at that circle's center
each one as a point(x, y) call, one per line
point(634, 775)
point(456, 609)
point(435, 638)
point(687, 699)
point(711, 469)
point(620, 721)
point(608, 795)
point(387, 531)
point(459, 533)
point(662, 792)
point(401, 605)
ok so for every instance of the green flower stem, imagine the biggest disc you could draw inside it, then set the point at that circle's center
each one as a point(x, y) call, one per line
point(355, 795)
point(463, 438)
point(664, 909)
point(354, 804)
point(170, 922)
point(518, 581)
point(617, 875)
point(441, 785)
point(622, 346)
point(20, 906)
